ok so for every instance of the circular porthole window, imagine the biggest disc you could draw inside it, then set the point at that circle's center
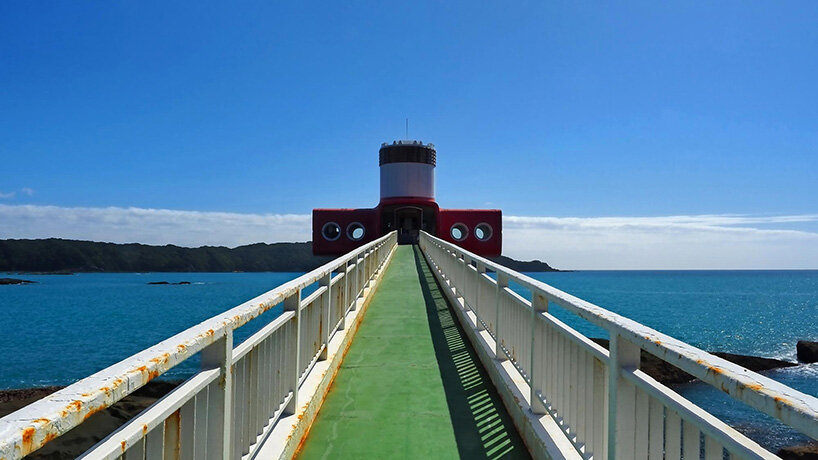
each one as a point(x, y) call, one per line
point(482, 231)
point(459, 232)
point(356, 231)
point(331, 231)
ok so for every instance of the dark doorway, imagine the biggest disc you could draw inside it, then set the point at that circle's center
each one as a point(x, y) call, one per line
point(408, 221)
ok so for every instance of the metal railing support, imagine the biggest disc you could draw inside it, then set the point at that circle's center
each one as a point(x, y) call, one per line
point(359, 267)
point(482, 269)
point(370, 261)
point(500, 287)
point(461, 288)
point(539, 305)
point(346, 296)
point(621, 399)
point(219, 355)
point(355, 286)
point(293, 303)
point(326, 309)
point(478, 278)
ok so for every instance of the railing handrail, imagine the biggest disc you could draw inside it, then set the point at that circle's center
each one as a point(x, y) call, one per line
point(32, 426)
point(780, 401)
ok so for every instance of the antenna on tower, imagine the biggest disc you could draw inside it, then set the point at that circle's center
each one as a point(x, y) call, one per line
point(407, 129)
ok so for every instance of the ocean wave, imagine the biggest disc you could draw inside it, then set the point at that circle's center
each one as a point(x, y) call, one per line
point(785, 352)
point(802, 370)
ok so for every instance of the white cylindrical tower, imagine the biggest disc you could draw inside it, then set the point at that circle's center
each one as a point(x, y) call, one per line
point(407, 170)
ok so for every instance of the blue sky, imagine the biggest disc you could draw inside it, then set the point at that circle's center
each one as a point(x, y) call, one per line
point(543, 109)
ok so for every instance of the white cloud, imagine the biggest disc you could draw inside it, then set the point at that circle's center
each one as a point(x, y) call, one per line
point(151, 226)
point(7, 195)
point(27, 191)
point(669, 242)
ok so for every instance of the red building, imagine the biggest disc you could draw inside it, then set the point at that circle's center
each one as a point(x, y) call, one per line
point(407, 205)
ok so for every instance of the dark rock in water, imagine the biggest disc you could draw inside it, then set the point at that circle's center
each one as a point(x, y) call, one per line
point(183, 282)
point(180, 283)
point(669, 374)
point(754, 363)
point(15, 281)
point(807, 351)
point(807, 452)
point(158, 282)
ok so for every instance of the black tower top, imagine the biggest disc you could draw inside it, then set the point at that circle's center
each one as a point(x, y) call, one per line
point(407, 152)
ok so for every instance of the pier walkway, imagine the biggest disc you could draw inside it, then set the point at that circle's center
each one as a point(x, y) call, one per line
point(411, 385)
point(427, 351)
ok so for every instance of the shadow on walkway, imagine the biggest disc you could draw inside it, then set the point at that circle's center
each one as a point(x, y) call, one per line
point(482, 427)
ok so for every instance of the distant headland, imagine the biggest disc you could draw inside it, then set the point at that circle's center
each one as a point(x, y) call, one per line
point(54, 255)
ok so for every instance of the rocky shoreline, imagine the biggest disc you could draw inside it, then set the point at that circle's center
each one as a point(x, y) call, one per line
point(669, 374)
point(93, 430)
point(807, 452)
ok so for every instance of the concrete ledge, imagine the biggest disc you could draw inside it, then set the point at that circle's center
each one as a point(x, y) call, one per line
point(284, 439)
point(541, 434)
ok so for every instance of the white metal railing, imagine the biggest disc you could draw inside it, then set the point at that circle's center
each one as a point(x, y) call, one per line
point(624, 414)
point(215, 413)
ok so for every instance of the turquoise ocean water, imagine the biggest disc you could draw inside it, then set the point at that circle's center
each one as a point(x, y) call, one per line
point(67, 327)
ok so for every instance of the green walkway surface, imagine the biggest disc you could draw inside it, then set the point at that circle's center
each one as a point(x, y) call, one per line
point(411, 386)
